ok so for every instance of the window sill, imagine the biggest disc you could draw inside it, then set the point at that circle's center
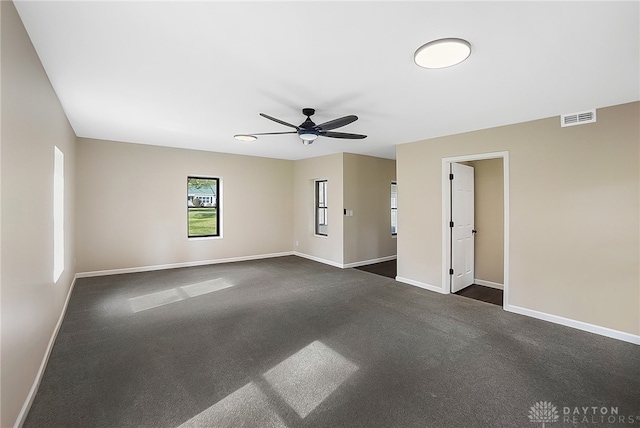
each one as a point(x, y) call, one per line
point(202, 238)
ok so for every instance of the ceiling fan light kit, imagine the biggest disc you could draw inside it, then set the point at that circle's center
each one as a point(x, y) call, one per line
point(307, 137)
point(442, 53)
point(308, 131)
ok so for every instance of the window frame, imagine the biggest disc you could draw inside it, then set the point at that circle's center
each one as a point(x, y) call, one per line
point(58, 214)
point(394, 209)
point(217, 205)
point(321, 205)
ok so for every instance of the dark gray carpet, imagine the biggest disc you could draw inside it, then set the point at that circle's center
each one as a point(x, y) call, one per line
point(290, 342)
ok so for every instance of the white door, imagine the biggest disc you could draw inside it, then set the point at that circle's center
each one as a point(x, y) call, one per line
point(462, 232)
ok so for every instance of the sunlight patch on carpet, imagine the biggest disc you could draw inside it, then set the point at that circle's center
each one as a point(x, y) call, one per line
point(308, 377)
point(166, 297)
point(205, 287)
point(246, 407)
point(154, 300)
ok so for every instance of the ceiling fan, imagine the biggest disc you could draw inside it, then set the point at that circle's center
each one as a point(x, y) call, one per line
point(308, 131)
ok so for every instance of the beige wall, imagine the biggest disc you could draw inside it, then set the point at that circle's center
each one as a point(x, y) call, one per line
point(131, 206)
point(574, 208)
point(130, 213)
point(33, 122)
point(367, 192)
point(358, 183)
point(489, 210)
point(327, 248)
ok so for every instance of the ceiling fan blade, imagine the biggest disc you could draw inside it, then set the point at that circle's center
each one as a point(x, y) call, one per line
point(281, 122)
point(275, 133)
point(342, 135)
point(336, 123)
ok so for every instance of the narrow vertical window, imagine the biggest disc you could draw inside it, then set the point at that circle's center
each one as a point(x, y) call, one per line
point(58, 214)
point(322, 210)
point(203, 207)
point(394, 208)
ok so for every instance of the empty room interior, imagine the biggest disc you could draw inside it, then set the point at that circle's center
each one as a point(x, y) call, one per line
point(286, 214)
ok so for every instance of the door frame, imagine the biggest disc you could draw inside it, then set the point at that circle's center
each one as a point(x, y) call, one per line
point(446, 216)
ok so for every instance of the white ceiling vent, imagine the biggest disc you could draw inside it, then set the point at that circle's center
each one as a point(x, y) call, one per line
point(578, 118)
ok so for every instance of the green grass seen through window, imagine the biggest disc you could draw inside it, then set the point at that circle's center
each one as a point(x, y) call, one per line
point(203, 222)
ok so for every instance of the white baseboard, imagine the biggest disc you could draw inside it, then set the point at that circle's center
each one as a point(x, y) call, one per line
point(421, 285)
point(591, 328)
point(488, 284)
point(369, 262)
point(319, 260)
point(181, 265)
point(43, 365)
point(345, 265)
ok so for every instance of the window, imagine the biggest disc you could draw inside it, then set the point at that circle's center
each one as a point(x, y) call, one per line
point(321, 208)
point(203, 206)
point(394, 208)
point(58, 214)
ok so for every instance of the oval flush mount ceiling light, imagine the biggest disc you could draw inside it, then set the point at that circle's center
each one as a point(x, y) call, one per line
point(442, 53)
point(245, 137)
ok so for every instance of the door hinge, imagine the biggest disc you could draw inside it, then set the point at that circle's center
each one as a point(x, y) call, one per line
point(450, 224)
point(450, 271)
point(450, 176)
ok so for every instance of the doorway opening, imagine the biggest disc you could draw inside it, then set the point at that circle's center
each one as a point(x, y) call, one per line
point(484, 294)
point(453, 251)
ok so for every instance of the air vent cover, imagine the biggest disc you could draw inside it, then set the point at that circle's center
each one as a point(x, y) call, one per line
point(578, 118)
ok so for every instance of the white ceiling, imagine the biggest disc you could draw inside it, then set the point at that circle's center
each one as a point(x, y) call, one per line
point(193, 74)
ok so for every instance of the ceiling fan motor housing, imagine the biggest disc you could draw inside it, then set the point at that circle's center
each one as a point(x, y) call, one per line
point(307, 131)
